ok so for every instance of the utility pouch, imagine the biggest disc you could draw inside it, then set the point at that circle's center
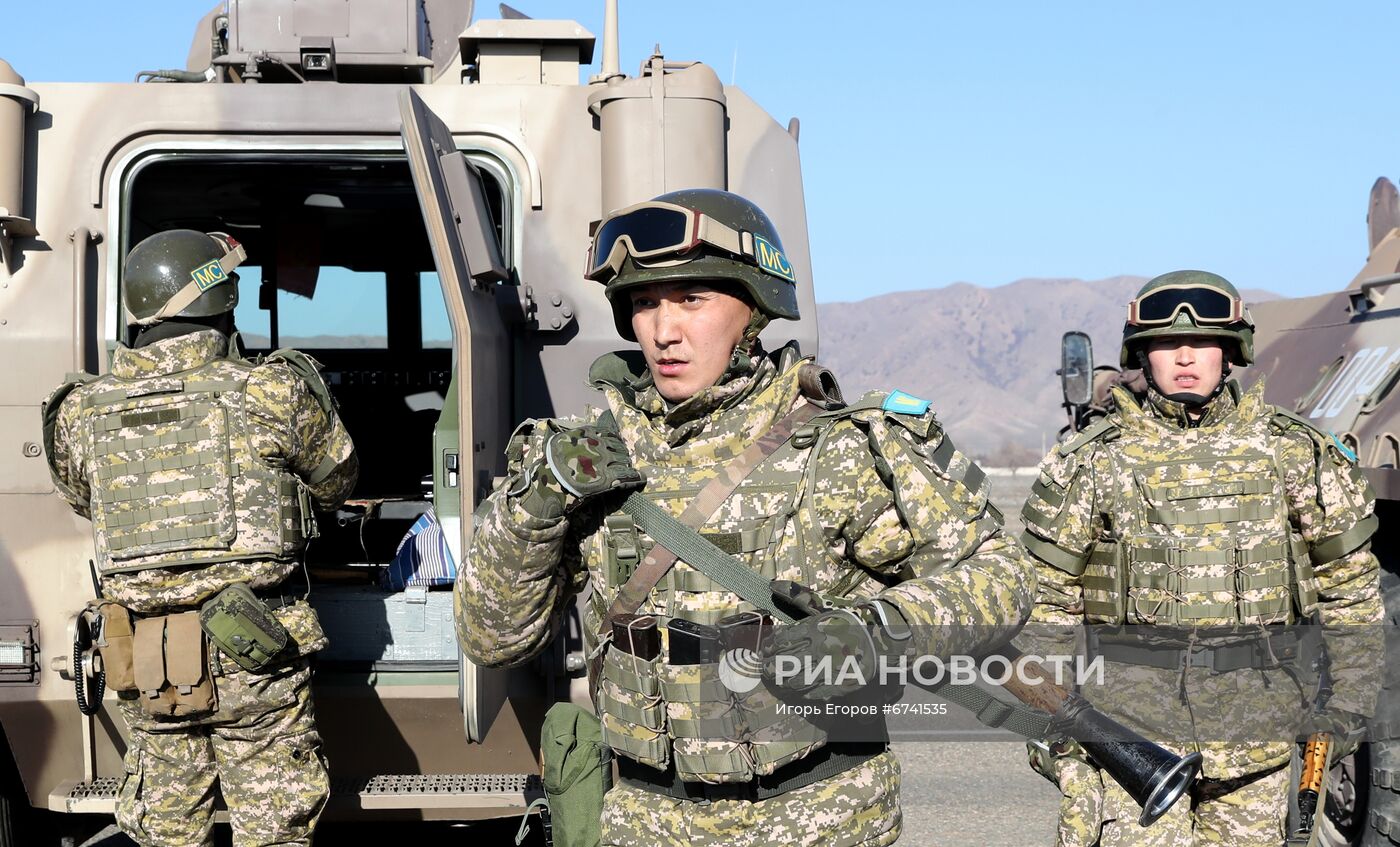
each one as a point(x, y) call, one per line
point(577, 773)
point(243, 627)
point(776, 738)
point(114, 644)
point(705, 726)
point(632, 712)
point(171, 667)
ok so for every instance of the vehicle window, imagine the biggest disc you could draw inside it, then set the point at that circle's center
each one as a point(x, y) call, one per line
point(437, 329)
point(345, 312)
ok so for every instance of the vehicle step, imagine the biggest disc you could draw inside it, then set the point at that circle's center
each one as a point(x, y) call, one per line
point(382, 791)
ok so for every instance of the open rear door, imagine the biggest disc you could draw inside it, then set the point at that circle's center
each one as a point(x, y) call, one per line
point(472, 432)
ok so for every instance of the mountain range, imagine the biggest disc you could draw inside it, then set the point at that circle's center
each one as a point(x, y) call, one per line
point(985, 357)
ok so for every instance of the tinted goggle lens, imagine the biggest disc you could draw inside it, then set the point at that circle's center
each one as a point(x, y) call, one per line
point(1206, 304)
point(648, 230)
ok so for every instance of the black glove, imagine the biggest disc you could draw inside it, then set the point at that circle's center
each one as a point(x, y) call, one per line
point(849, 640)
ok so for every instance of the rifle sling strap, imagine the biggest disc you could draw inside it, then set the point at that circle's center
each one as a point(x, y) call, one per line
point(659, 524)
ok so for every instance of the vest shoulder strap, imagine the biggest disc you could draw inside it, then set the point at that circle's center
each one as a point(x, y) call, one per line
point(310, 372)
point(1103, 429)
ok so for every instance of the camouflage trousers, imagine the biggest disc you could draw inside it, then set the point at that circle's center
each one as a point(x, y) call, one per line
point(260, 748)
point(1252, 814)
point(858, 807)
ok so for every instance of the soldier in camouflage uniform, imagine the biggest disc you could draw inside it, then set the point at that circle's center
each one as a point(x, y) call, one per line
point(1193, 505)
point(198, 470)
point(868, 502)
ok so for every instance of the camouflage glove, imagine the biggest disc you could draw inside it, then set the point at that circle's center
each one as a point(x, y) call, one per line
point(575, 465)
point(1081, 790)
point(850, 640)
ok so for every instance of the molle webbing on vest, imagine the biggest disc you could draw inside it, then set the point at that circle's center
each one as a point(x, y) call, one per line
point(1117, 574)
point(176, 480)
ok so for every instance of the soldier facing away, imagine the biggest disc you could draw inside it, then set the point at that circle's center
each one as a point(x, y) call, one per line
point(1196, 508)
point(867, 502)
point(199, 471)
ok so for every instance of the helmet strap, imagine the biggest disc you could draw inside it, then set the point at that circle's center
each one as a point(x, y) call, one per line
point(741, 360)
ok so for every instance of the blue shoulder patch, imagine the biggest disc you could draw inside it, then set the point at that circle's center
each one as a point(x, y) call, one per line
point(1346, 451)
point(904, 404)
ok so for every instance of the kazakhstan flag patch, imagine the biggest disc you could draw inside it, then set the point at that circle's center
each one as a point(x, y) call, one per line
point(1346, 451)
point(905, 404)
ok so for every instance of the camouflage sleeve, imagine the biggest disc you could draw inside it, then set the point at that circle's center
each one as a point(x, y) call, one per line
point(923, 520)
point(67, 452)
point(1331, 504)
point(296, 422)
point(1060, 521)
point(522, 571)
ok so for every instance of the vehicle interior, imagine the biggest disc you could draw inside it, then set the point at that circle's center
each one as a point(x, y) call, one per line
point(339, 266)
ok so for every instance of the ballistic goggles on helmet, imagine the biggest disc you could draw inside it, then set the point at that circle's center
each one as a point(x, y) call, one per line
point(1209, 306)
point(202, 278)
point(654, 232)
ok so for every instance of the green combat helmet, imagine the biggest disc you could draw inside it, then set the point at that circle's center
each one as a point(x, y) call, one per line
point(181, 273)
point(695, 233)
point(1188, 303)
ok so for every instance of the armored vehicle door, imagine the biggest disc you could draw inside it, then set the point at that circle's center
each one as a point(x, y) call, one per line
point(469, 443)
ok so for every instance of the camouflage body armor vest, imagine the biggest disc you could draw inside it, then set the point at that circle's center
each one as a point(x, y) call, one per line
point(176, 479)
point(1199, 532)
point(686, 716)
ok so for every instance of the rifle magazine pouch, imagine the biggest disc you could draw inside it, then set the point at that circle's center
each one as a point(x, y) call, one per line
point(577, 773)
point(705, 726)
point(633, 714)
point(116, 646)
point(170, 667)
point(191, 688)
point(148, 662)
point(243, 628)
point(776, 738)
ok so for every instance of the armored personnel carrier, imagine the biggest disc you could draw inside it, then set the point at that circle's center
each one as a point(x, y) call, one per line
point(1335, 359)
point(415, 190)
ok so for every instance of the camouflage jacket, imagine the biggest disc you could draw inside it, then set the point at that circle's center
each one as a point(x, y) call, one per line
point(1089, 495)
point(289, 427)
point(865, 511)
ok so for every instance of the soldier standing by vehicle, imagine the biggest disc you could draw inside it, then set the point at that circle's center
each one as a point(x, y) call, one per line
point(868, 502)
point(1197, 505)
point(198, 470)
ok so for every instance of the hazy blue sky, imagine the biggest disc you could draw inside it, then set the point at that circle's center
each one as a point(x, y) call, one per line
point(986, 142)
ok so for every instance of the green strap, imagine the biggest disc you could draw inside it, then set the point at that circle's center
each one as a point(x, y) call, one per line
point(1101, 430)
point(1191, 558)
point(1053, 554)
point(1337, 546)
point(994, 712)
point(700, 554)
point(1200, 517)
point(322, 470)
point(1179, 584)
point(1047, 494)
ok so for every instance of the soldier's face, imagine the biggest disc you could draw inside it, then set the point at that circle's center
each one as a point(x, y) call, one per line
point(688, 331)
point(1191, 363)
